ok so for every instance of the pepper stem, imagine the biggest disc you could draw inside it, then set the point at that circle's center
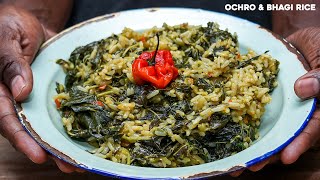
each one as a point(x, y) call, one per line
point(153, 60)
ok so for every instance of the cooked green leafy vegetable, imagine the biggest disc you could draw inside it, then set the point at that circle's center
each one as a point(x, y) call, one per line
point(244, 63)
point(211, 111)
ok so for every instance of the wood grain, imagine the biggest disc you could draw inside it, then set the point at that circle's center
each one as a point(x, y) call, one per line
point(15, 166)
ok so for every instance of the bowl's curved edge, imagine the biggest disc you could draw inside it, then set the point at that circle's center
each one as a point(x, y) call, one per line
point(263, 157)
point(290, 47)
point(27, 126)
point(51, 150)
point(300, 57)
point(66, 31)
point(79, 25)
point(269, 154)
point(252, 162)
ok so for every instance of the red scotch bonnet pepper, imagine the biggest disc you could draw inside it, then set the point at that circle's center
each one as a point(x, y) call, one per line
point(156, 68)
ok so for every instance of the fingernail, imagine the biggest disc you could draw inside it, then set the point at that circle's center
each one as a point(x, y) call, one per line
point(17, 85)
point(308, 87)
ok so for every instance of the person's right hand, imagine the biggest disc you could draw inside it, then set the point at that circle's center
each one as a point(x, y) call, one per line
point(21, 35)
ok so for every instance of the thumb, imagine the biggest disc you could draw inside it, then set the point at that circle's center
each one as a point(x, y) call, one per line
point(308, 85)
point(15, 73)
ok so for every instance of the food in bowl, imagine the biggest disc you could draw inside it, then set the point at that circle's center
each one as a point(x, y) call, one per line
point(209, 111)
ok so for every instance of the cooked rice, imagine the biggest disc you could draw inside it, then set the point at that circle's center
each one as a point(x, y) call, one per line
point(210, 81)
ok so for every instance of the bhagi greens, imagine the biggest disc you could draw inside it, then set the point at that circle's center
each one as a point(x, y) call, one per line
point(210, 111)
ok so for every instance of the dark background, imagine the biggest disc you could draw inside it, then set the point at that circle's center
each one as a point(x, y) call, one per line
point(86, 9)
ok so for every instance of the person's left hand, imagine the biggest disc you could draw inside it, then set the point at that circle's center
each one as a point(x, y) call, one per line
point(307, 41)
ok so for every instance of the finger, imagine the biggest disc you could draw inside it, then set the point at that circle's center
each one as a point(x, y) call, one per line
point(308, 85)
point(11, 129)
point(79, 170)
point(15, 71)
point(63, 166)
point(275, 158)
point(236, 173)
point(304, 141)
point(66, 167)
point(307, 41)
point(259, 166)
point(48, 33)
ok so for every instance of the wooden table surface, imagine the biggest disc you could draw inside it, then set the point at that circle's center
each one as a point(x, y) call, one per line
point(15, 166)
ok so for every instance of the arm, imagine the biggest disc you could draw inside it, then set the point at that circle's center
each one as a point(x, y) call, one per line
point(24, 26)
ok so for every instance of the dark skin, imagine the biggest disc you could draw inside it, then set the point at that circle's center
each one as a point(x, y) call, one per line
point(286, 23)
point(26, 24)
point(21, 34)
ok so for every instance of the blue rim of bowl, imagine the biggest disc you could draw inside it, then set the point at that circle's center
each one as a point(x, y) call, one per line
point(23, 120)
point(268, 154)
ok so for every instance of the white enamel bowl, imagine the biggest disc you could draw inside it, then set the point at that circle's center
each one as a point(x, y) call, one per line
point(284, 119)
